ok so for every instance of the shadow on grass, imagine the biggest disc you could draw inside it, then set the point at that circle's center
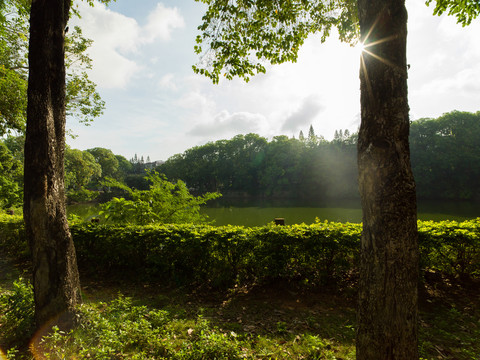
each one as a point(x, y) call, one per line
point(277, 319)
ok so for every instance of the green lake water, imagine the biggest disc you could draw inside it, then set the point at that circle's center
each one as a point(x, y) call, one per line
point(253, 216)
point(261, 214)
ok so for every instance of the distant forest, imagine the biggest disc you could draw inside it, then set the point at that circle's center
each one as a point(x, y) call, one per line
point(445, 159)
point(445, 155)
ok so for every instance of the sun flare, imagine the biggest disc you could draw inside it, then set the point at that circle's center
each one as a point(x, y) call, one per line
point(359, 48)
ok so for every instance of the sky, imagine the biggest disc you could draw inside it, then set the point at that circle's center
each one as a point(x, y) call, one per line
point(156, 106)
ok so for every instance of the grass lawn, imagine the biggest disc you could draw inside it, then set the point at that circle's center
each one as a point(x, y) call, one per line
point(127, 319)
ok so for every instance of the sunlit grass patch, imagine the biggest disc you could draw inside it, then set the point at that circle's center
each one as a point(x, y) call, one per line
point(315, 326)
point(122, 330)
point(450, 333)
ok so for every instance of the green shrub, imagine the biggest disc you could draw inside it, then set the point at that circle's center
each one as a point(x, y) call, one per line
point(122, 330)
point(451, 247)
point(81, 195)
point(17, 314)
point(221, 256)
point(12, 235)
point(320, 253)
point(164, 202)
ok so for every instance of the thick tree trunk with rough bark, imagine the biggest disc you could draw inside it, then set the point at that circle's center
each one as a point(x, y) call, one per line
point(387, 308)
point(55, 275)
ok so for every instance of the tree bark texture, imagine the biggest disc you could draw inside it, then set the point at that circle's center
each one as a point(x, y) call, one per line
point(387, 307)
point(55, 275)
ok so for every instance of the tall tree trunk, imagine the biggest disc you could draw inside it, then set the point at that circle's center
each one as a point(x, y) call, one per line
point(387, 308)
point(55, 275)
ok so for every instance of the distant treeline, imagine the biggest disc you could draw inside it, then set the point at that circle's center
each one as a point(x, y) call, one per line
point(250, 165)
point(85, 172)
point(445, 156)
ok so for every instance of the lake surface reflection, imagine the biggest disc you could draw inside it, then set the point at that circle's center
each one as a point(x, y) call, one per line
point(341, 211)
point(262, 212)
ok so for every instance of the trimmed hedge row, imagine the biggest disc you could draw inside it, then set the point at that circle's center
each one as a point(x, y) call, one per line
point(451, 247)
point(324, 252)
point(222, 255)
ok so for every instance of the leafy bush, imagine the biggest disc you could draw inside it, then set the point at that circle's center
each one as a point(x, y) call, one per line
point(81, 195)
point(221, 256)
point(122, 330)
point(12, 235)
point(11, 176)
point(324, 252)
point(17, 313)
point(163, 202)
point(451, 247)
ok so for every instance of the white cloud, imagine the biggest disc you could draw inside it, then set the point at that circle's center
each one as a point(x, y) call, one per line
point(161, 22)
point(167, 82)
point(445, 63)
point(304, 115)
point(225, 124)
point(113, 34)
point(464, 83)
point(196, 101)
point(288, 95)
point(117, 39)
point(444, 75)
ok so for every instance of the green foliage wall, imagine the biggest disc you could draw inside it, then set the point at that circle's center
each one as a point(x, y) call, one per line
point(316, 254)
point(444, 151)
point(11, 178)
point(222, 255)
point(446, 156)
point(164, 202)
point(249, 165)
